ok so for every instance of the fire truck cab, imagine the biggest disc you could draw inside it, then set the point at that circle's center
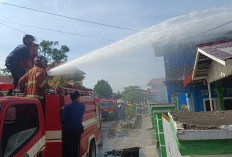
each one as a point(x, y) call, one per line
point(25, 131)
point(109, 108)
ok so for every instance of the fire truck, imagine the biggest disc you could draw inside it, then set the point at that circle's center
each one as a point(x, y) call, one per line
point(109, 108)
point(28, 131)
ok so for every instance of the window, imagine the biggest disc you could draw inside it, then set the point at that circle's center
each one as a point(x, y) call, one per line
point(21, 122)
point(106, 104)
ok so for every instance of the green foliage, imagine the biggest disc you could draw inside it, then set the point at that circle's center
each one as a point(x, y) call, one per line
point(1, 73)
point(133, 94)
point(130, 111)
point(103, 89)
point(63, 80)
point(75, 78)
point(49, 48)
point(4, 72)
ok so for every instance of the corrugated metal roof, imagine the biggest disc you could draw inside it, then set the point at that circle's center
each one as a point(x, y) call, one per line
point(221, 49)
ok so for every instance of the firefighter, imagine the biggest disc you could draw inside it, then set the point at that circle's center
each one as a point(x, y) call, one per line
point(16, 57)
point(33, 54)
point(34, 82)
point(71, 118)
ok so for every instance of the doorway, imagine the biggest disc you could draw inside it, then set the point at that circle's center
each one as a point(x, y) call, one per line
point(207, 104)
point(228, 103)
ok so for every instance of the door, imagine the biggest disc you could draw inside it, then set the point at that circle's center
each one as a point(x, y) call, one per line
point(207, 105)
point(228, 103)
point(22, 132)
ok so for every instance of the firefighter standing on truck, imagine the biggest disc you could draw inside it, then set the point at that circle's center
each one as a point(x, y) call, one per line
point(71, 118)
point(33, 54)
point(16, 57)
point(34, 82)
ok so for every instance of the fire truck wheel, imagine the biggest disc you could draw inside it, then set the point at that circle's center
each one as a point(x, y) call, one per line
point(92, 149)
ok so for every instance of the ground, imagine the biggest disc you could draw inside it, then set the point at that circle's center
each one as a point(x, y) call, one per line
point(115, 139)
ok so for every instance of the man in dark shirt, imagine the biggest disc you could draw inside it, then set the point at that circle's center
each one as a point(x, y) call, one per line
point(16, 57)
point(71, 118)
point(33, 54)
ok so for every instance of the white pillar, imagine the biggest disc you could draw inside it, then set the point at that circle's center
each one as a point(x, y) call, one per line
point(210, 96)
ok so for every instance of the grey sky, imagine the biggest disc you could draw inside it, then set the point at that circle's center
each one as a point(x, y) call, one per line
point(135, 68)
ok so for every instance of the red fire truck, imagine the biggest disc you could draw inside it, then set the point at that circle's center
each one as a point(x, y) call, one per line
point(109, 108)
point(25, 131)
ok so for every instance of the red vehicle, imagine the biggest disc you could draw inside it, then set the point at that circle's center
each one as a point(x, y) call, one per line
point(25, 131)
point(109, 108)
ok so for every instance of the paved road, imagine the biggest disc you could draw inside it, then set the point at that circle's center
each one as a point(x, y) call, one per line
point(114, 139)
point(109, 131)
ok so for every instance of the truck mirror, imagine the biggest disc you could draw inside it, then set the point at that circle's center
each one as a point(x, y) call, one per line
point(10, 114)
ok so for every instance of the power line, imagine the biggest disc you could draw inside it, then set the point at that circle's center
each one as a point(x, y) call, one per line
point(217, 27)
point(12, 28)
point(68, 17)
point(58, 31)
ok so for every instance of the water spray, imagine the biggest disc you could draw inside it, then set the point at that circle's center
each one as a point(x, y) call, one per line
point(190, 28)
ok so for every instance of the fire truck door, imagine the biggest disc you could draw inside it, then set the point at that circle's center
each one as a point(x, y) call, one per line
point(22, 131)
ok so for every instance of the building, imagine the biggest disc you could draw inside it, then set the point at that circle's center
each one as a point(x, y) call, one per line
point(179, 60)
point(213, 67)
point(204, 133)
point(158, 92)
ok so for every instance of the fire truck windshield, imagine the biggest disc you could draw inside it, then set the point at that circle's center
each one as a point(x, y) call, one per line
point(106, 104)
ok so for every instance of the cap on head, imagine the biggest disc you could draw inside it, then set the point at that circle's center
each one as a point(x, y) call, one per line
point(74, 95)
point(41, 61)
point(28, 39)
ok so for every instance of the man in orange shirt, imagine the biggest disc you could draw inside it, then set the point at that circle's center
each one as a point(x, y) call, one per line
point(34, 82)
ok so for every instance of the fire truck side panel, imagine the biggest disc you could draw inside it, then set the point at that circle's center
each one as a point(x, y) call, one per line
point(25, 112)
point(84, 143)
point(53, 126)
point(2, 105)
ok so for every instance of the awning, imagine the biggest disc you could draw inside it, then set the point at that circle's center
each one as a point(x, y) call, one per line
point(188, 78)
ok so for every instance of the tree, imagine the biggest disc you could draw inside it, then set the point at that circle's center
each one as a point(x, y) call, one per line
point(1, 73)
point(4, 72)
point(49, 48)
point(133, 94)
point(63, 80)
point(103, 89)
